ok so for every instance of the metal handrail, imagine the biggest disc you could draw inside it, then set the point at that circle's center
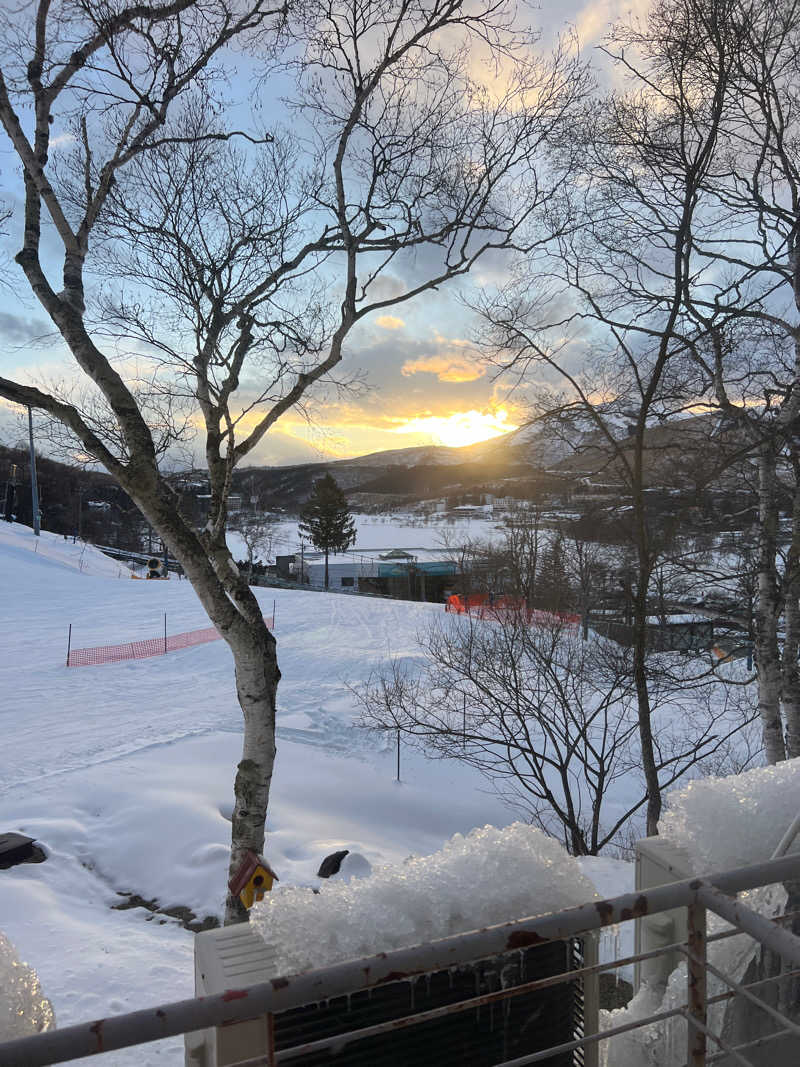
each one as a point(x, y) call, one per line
point(284, 993)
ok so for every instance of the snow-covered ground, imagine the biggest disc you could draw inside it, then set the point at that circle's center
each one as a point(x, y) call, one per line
point(380, 533)
point(124, 772)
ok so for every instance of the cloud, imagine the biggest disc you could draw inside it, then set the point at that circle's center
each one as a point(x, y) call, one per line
point(389, 322)
point(18, 330)
point(62, 139)
point(455, 368)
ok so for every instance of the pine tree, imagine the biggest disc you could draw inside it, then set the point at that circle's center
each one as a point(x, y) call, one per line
point(326, 519)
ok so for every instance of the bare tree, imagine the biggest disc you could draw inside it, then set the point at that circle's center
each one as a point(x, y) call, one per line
point(647, 154)
point(549, 718)
point(748, 305)
point(242, 270)
point(741, 288)
point(259, 533)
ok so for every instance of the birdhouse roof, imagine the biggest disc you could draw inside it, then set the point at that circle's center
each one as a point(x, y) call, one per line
point(249, 866)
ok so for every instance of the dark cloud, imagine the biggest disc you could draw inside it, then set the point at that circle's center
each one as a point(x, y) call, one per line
point(22, 329)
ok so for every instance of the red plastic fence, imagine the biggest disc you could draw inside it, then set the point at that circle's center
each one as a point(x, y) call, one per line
point(152, 646)
point(484, 606)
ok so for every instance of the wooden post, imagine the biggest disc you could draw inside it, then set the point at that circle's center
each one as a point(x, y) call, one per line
point(398, 753)
point(69, 642)
point(165, 633)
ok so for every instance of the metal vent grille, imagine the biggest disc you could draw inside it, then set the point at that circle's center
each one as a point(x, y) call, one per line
point(479, 1037)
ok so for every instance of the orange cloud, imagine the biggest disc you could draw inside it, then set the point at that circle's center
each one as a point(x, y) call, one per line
point(446, 368)
point(389, 322)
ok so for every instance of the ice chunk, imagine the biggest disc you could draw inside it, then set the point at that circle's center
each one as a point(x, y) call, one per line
point(23, 1009)
point(734, 821)
point(489, 876)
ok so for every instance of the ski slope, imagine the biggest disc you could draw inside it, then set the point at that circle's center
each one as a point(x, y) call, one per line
point(124, 772)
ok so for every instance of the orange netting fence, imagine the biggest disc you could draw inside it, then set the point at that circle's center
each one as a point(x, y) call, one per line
point(486, 606)
point(152, 646)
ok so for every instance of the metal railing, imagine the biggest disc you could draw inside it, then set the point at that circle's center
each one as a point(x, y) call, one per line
point(714, 893)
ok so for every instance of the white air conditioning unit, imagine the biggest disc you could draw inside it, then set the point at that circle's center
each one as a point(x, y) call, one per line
point(231, 957)
point(659, 862)
point(235, 956)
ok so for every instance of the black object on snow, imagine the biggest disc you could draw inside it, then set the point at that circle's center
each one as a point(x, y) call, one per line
point(16, 848)
point(331, 864)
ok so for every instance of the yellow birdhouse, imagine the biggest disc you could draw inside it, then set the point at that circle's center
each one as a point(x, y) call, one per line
point(253, 879)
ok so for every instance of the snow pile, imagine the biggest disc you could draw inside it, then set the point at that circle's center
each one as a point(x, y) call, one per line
point(488, 876)
point(23, 1009)
point(735, 821)
point(721, 823)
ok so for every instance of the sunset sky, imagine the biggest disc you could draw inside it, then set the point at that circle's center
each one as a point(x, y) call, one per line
point(422, 382)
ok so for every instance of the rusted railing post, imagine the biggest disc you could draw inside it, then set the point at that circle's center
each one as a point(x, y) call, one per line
point(696, 984)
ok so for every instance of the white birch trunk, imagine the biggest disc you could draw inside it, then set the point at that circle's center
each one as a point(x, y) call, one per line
point(790, 688)
point(257, 678)
point(790, 691)
point(234, 610)
point(767, 612)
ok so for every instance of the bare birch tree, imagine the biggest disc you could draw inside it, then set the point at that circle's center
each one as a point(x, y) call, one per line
point(741, 294)
point(647, 152)
point(249, 259)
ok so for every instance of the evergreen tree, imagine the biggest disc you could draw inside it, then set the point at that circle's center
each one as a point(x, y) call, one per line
point(326, 519)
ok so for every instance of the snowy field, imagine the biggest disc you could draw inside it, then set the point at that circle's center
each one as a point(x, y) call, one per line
point(380, 533)
point(124, 772)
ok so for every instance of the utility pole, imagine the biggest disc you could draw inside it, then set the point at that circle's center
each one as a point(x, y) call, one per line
point(34, 483)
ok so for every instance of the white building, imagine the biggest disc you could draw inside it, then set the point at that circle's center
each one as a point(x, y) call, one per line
point(344, 570)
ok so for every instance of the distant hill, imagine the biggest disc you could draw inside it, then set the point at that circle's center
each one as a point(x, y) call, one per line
point(513, 463)
point(527, 463)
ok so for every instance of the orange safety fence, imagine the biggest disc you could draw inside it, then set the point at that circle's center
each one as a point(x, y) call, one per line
point(486, 606)
point(152, 646)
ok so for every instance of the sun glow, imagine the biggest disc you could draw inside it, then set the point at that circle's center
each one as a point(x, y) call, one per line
point(461, 427)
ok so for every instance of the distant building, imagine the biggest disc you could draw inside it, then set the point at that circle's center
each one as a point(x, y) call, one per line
point(343, 573)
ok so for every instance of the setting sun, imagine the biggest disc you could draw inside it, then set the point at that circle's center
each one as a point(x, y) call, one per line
point(461, 427)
